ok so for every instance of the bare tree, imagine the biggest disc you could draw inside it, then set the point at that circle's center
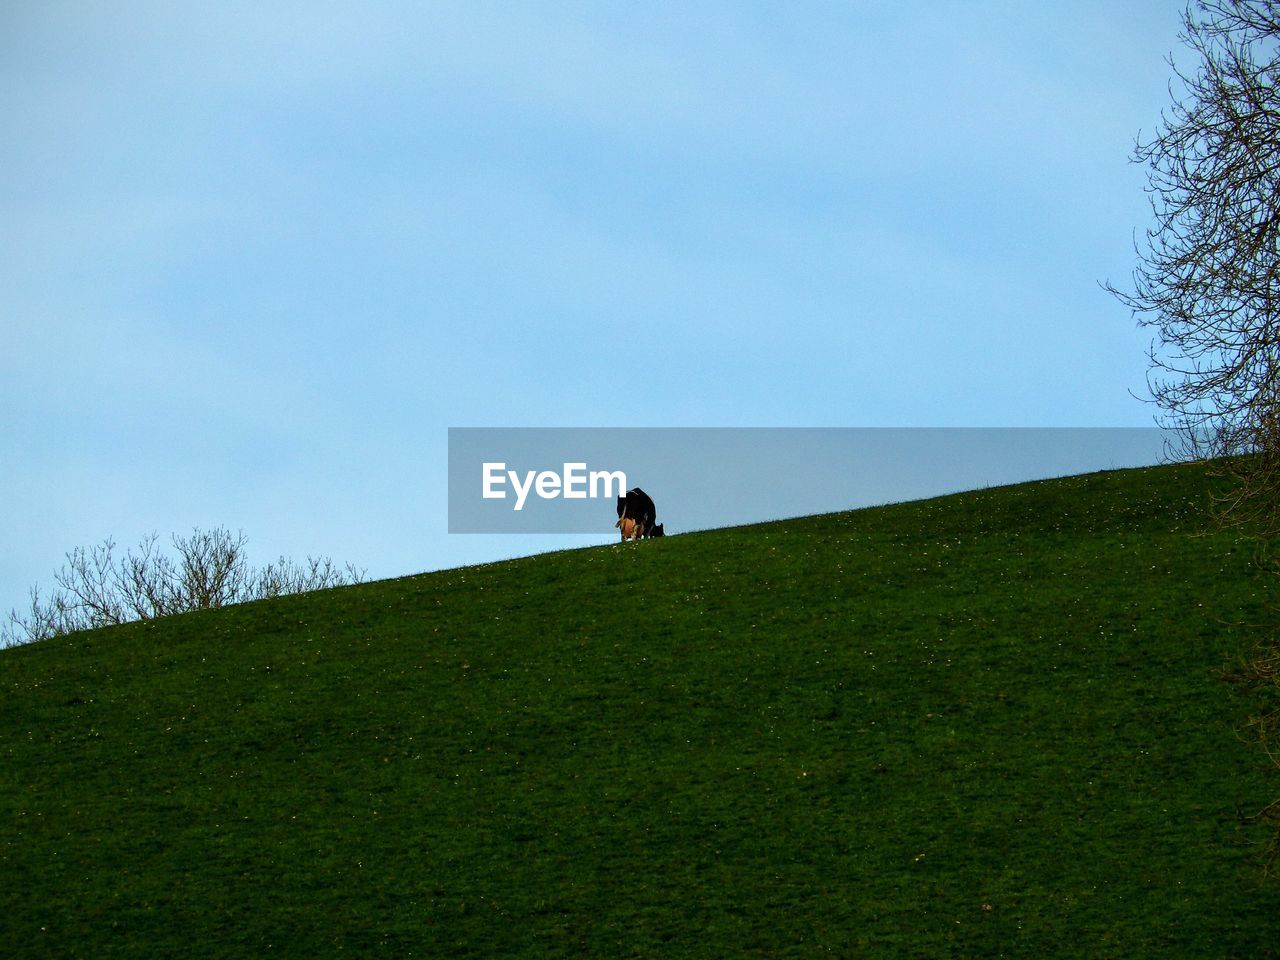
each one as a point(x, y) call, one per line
point(209, 568)
point(1208, 278)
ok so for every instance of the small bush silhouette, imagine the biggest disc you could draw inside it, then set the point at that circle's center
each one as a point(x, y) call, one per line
point(208, 568)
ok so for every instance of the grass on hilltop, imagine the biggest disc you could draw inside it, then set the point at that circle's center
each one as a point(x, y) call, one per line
point(990, 724)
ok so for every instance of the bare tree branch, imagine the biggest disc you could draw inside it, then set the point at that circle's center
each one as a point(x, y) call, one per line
point(210, 569)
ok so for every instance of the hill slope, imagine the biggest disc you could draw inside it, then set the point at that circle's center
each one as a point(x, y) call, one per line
point(989, 724)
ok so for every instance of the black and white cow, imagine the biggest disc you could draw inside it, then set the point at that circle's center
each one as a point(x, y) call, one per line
point(637, 516)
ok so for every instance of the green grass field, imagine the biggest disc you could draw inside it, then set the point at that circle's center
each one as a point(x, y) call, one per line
point(986, 725)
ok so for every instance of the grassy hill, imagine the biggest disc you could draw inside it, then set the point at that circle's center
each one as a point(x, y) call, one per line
point(990, 724)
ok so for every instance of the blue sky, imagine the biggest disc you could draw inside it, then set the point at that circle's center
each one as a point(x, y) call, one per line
point(257, 258)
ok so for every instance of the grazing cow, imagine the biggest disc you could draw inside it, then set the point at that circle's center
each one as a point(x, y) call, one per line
point(655, 531)
point(636, 514)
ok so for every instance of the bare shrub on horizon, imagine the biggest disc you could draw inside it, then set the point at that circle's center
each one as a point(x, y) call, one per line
point(208, 568)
